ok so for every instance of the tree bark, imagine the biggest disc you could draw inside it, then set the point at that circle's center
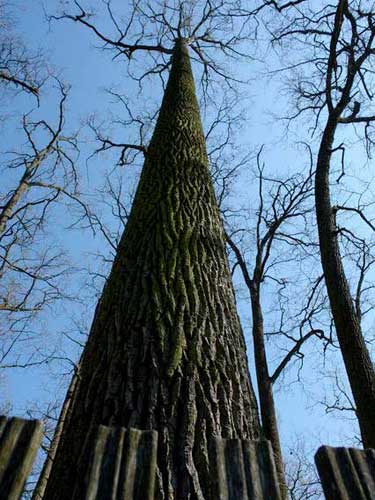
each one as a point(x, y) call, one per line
point(357, 360)
point(166, 350)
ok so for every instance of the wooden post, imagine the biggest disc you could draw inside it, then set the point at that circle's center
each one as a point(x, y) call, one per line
point(346, 473)
point(123, 465)
point(243, 470)
point(19, 442)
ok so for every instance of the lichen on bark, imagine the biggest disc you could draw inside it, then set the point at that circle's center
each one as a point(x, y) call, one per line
point(166, 350)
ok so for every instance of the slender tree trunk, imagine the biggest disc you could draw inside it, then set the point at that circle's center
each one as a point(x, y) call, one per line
point(38, 493)
point(166, 351)
point(265, 382)
point(357, 360)
point(266, 400)
point(7, 210)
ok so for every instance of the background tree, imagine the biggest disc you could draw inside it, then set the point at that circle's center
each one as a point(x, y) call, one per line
point(302, 477)
point(21, 70)
point(40, 180)
point(54, 437)
point(39, 177)
point(333, 80)
point(281, 239)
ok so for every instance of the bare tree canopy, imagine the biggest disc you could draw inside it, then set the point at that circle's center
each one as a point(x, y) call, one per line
point(207, 27)
point(20, 68)
point(333, 80)
point(40, 180)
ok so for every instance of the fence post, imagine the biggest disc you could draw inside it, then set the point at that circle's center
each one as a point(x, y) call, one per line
point(19, 442)
point(346, 473)
point(243, 470)
point(123, 465)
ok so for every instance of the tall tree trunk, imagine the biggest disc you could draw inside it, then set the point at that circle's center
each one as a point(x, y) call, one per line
point(357, 360)
point(166, 351)
point(265, 390)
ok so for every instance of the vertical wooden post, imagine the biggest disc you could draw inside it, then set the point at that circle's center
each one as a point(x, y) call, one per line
point(243, 470)
point(19, 442)
point(123, 465)
point(346, 473)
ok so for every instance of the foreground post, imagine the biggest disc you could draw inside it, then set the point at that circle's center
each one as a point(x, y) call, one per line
point(19, 443)
point(346, 473)
point(122, 465)
point(243, 470)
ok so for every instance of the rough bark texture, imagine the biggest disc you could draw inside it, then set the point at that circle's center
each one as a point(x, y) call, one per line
point(357, 360)
point(166, 351)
